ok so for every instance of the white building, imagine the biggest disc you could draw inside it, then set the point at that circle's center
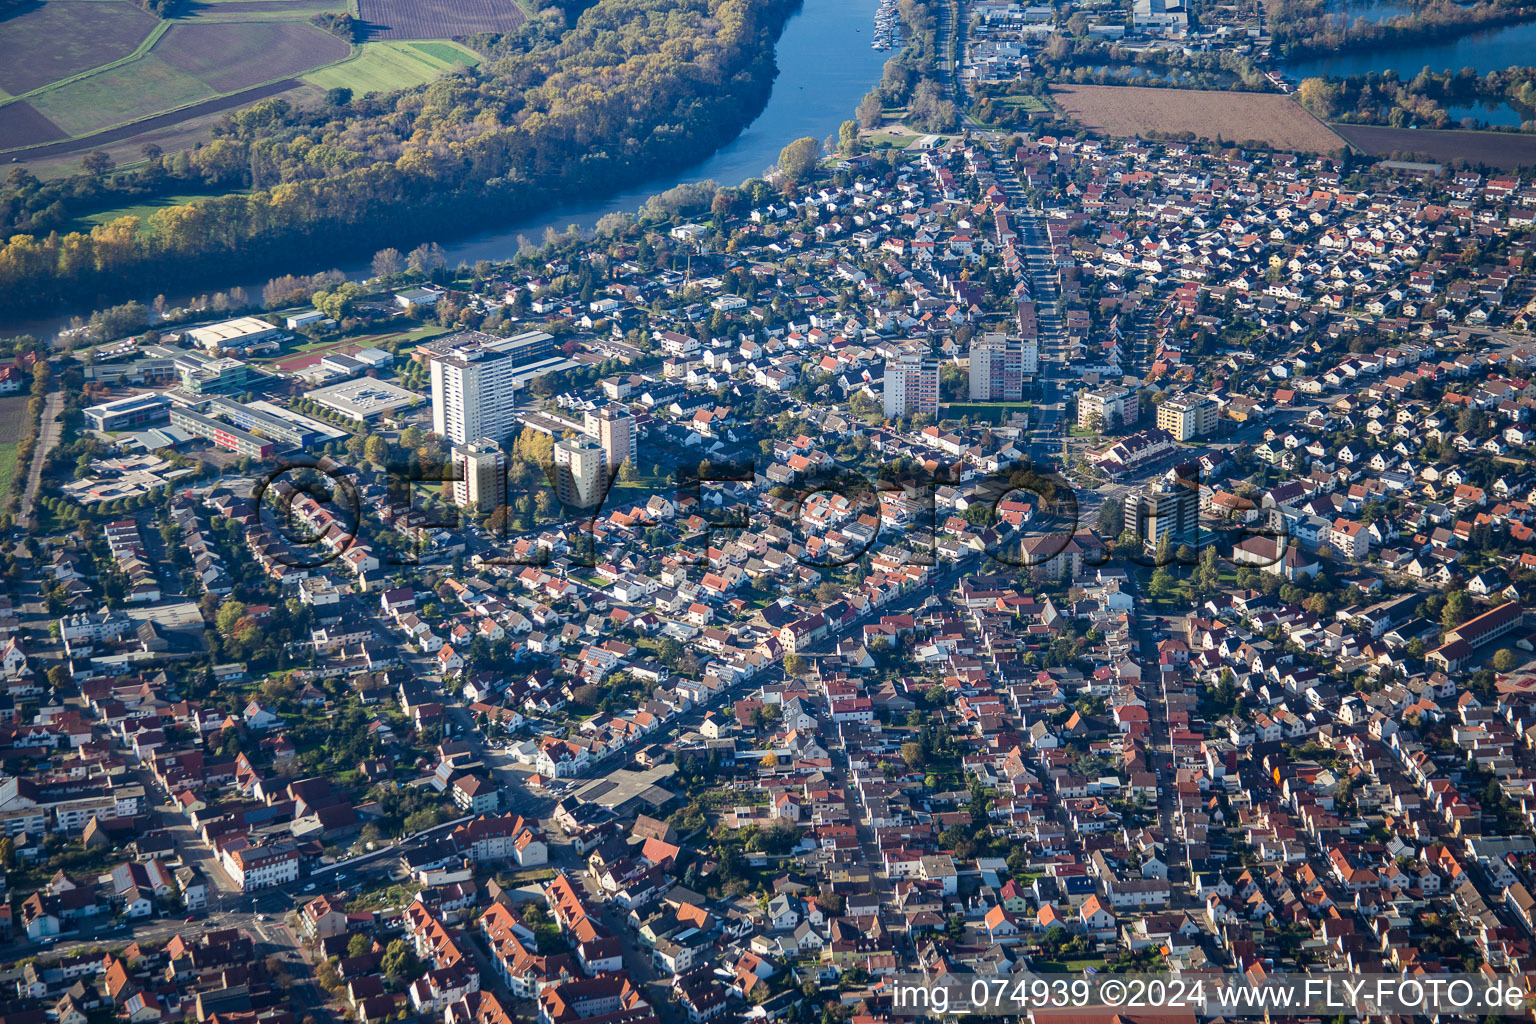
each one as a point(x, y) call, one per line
point(475, 380)
point(912, 385)
point(480, 472)
point(579, 472)
point(261, 867)
point(241, 333)
point(999, 367)
point(613, 428)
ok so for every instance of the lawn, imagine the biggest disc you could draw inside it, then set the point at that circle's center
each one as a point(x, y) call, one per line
point(13, 423)
point(125, 93)
point(7, 468)
point(383, 66)
point(144, 209)
point(992, 412)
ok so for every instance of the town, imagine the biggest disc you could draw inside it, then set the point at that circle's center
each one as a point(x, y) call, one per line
point(1013, 553)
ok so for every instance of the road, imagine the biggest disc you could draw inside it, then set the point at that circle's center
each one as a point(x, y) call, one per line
point(47, 439)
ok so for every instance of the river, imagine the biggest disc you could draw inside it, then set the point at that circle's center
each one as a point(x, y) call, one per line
point(825, 65)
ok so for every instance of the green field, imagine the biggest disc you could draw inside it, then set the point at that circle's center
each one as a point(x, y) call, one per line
point(139, 88)
point(992, 412)
point(261, 10)
point(382, 66)
point(1030, 104)
point(7, 469)
point(144, 209)
point(13, 423)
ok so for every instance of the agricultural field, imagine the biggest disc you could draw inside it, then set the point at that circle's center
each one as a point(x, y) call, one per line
point(260, 10)
point(84, 74)
point(382, 65)
point(13, 423)
point(230, 56)
point(438, 19)
point(45, 42)
point(138, 88)
point(1128, 111)
point(1504, 150)
point(22, 125)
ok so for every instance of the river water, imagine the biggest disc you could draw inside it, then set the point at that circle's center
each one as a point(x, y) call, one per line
point(826, 65)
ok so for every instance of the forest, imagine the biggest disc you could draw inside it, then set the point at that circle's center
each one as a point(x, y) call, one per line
point(634, 86)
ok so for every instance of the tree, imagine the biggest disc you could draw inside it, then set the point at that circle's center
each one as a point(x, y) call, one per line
point(97, 163)
point(912, 754)
point(426, 258)
point(794, 665)
point(400, 962)
point(798, 159)
point(387, 262)
point(337, 303)
point(1318, 95)
point(58, 677)
point(1458, 609)
point(1503, 660)
point(359, 945)
point(229, 615)
point(871, 111)
point(848, 138)
point(376, 450)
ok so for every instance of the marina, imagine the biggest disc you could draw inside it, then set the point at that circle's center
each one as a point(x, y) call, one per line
point(887, 27)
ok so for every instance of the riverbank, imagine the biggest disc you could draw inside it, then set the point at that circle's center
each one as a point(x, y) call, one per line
point(825, 66)
point(580, 140)
point(1403, 30)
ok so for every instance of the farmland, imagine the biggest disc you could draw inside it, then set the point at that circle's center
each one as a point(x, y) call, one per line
point(1264, 118)
point(13, 423)
point(1503, 150)
point(22, 125)
point(437, 19)
point(128, 92)
point(229, 56)
point(47, 42)
point(382, 65)
point(83, 74)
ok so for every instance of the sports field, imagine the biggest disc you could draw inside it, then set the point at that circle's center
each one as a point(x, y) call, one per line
point(382, 65)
